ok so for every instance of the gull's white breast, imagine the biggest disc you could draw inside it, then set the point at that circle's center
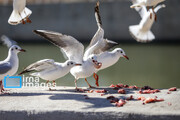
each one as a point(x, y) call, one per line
point(19, 5)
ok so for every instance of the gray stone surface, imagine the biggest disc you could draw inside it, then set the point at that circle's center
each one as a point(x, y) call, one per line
point(65, 103)
point(77, 19)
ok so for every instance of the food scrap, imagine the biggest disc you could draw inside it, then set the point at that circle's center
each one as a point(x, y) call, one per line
point(130, 98)
point(90, 91)
point(80, 90)
point(149, 91)
point(120, 85)
point(121, 91)
point(120, 103)
point(101, 91)
point(173, 89)
point(147, 88)
point(150, 100)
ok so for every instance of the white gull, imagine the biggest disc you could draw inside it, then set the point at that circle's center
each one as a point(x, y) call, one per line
point(142, 31)
point(10, 65)
point(20, 13)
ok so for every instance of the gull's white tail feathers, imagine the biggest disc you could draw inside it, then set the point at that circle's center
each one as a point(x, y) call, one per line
point(139, 35)
point(16, 17)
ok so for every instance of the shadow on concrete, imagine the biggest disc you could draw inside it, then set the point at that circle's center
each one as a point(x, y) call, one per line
point(95, 102)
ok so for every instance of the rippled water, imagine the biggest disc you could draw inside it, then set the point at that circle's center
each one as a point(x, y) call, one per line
point(150, 64)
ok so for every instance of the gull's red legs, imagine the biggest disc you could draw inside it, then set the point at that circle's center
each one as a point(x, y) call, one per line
point(89, 84)
point(96, 77)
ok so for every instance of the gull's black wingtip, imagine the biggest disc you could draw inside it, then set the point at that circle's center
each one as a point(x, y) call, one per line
point(35, 31)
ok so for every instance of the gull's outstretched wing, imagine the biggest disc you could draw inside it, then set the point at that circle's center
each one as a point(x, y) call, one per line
point(38, 66)
point(7, 41)
point(73, 49)
point(98, 44)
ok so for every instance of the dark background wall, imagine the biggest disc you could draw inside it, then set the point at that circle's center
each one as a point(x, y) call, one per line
point(77, 19)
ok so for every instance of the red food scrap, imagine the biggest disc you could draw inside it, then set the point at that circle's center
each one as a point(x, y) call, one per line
point(110, 97)
point(80, 90)
point(141, 98)
point(169, 103)
point(148, 91)
point(126, 86)
point(112, 85)
point(114, 100)
point(130, 98)
point(90, 91)
point(102, 94)
point(101, 91)
point(149, 100)
point(121, 91)
point(173, 89)
point(147, 88)
point(133, 87)
point(120, 85)
point(120, 103)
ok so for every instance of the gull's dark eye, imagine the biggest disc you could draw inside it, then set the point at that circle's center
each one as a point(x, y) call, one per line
point(92, 58)
point(16, 48)
point(71, 63)
point(121, 51)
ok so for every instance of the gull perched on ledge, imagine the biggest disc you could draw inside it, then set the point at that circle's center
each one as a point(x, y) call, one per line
point(49, 70)
point(10, 65)
point(104, 56)
point(20, 13)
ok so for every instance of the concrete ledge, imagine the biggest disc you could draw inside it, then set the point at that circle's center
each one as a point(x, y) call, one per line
point(65, 103)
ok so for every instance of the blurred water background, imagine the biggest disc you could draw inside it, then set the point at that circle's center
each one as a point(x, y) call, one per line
point(156, 64)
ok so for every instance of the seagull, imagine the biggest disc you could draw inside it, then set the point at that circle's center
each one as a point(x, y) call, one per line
point(49, 70)
point(142, 32)
point(10, 65)
point(147, 3)
point(74, 51)
point(20, 13)
point(102, 54)
point(109, 58)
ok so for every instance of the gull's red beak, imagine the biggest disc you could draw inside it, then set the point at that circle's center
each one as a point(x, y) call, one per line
point(97, 65)
point(126, 57)
point(22, 50)
point(78, 64)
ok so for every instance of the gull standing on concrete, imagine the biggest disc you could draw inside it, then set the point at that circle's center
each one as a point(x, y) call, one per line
point(74, 50)
point(142, 32)
point(105, 57)
point(147, 3)
point(20, 13)
point(10, 65)
point(49, 70)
